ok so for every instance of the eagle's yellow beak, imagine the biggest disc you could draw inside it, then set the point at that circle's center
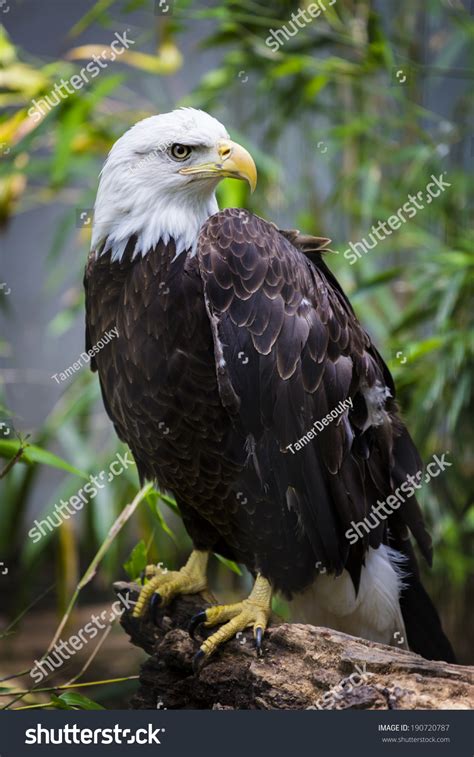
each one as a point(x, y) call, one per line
point(234, 162)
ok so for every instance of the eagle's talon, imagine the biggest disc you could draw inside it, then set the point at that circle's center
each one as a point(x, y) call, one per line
point(164, 585)
point(254, 611)
point(258, 640)
point(155, 603)
point(196, 621)
point(142, 577)
point(198, 660)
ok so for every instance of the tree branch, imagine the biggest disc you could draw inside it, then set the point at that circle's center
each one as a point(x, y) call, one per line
point(302, 667)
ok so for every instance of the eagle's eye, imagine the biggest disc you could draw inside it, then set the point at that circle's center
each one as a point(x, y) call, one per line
point(180, 152)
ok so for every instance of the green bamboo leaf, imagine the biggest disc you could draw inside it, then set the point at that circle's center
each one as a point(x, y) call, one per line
point(169, 501)
point(98, 13)
point(71, 701)
point(152, 500)
point(380, 278)
point(34, 454)
point(229, 564)
point(137, 560)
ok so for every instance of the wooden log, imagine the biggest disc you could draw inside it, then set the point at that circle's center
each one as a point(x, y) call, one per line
point(302, 667)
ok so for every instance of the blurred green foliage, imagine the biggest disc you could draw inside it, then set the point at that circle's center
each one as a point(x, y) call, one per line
point(340, 142)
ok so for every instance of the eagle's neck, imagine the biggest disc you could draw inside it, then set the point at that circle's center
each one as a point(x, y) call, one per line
point(151, 219)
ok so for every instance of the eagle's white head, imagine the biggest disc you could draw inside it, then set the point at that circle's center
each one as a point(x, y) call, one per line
point(159, 181)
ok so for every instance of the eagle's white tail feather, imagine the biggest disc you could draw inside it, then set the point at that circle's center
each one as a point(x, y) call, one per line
point(373, 614)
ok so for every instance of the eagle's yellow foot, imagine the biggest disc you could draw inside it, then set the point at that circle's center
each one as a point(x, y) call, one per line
point(254, 611)
point(164, 585)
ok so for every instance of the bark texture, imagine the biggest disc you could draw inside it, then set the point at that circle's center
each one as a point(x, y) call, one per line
point(302, 667)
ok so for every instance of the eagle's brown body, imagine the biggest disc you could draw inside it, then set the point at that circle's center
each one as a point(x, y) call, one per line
point(160, 388)
point(159, 380)
point(223, 359)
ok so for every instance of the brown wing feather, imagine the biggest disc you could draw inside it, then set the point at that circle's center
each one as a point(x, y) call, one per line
point(291, 349)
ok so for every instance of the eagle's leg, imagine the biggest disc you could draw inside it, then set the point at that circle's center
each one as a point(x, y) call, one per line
point(254, 611)
point(164, 585)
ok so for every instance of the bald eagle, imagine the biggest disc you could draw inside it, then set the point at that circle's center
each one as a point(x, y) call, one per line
point(244, 384)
